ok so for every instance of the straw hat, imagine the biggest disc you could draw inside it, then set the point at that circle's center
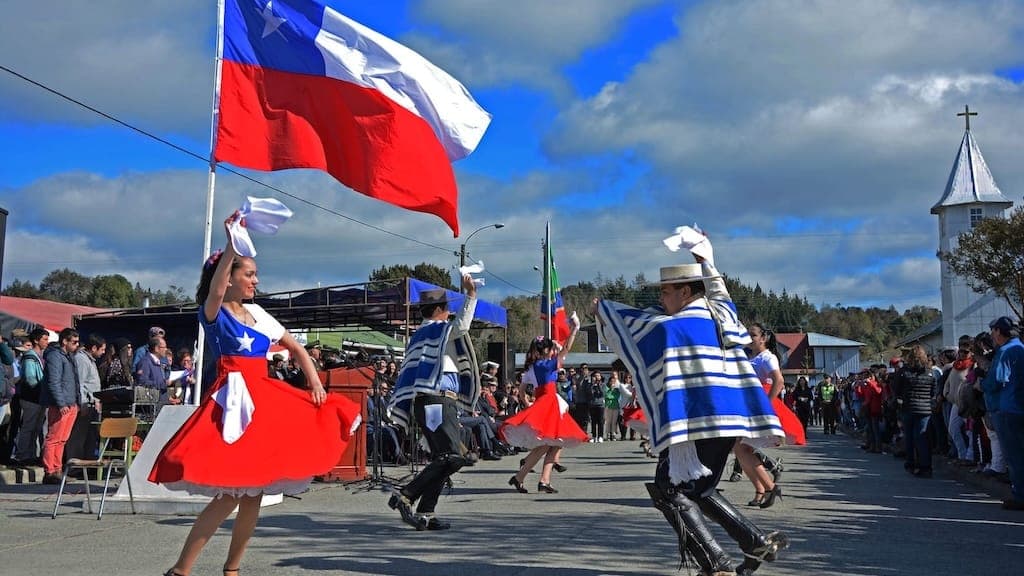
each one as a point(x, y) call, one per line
point(682, 274)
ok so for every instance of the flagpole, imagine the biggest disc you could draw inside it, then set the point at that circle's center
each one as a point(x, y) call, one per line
point(547, 279)
point(210, 188)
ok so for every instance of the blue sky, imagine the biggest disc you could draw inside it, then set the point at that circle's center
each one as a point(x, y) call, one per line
point(809, 145)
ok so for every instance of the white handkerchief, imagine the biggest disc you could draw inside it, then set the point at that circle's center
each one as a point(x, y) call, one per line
point(694, 240)
point(478, 281)
point(263, 215)
point(574, 320)
point(472, 268)
point(237, 406)
point(432, 413)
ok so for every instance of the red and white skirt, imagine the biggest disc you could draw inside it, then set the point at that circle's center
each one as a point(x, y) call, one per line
point(275, 447)
point(546, 423)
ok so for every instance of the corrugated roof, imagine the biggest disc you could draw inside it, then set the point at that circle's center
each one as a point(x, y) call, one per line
point(970, 181)
point(35, 312)
point(815, 340)
point(922, 332)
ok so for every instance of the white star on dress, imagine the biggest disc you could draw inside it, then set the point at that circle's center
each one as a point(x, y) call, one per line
point(245, 342)
point(270, 22)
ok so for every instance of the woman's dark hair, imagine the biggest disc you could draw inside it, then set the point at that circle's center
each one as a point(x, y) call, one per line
point(537, 350)
point(917, 360)
point(209, 267)
point(983, 345)
point(769, 338)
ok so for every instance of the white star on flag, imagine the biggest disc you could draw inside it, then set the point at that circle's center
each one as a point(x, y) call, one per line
point(270, 22)
point(245, 342)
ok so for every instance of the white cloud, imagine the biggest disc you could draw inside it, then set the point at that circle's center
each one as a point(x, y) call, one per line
point(525, 42)
point(148, 62)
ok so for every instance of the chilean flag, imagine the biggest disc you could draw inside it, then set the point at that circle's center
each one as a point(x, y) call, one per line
point(305, 87)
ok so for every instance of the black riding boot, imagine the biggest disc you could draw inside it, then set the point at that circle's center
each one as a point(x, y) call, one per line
point(695, 540)
point(757, 545)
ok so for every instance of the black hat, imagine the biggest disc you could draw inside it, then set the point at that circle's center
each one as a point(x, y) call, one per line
point(1004, 324)
point(433, 296)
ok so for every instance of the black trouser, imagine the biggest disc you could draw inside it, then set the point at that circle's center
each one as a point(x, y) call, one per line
point(828, 415)
point(713, 453)
point(84, 441)
point(581, 414)
point(597, 422)
point(445, 449)
point(28, 443)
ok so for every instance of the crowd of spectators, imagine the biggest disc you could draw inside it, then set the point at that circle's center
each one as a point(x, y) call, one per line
point(964, 405)
point(51, 390)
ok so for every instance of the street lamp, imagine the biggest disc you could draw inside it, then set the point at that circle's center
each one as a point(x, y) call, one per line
point(462, 248)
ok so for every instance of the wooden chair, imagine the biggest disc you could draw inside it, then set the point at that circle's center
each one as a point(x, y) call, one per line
point(110, 428)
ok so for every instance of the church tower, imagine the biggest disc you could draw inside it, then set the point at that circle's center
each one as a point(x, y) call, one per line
point(971, 195)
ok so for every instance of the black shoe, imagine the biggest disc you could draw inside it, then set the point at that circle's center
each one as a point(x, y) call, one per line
point(433, 523)
point(517, 485)
point(735, 477)
point(546, 488)
point(923, 472)
point(758, 500)
point(489, 456)
point(771, 495)
point(401, 503)
point(559, 468)
point(522, 462)
point(52, 479)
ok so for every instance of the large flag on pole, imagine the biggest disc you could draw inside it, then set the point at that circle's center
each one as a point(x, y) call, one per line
point(305, 87)
point(551, 307)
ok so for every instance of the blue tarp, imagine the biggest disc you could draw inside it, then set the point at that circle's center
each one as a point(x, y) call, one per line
point(485, 311)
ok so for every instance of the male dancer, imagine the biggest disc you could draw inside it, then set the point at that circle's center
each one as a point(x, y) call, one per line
point(701, 396)
point(438, 376)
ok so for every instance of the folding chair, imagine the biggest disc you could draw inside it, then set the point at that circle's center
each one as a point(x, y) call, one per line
point(110, 428)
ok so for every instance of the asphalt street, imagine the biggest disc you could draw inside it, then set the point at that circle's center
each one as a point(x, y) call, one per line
point(846, 513)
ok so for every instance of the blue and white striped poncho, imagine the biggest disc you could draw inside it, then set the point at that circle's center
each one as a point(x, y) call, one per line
point(421, 370)
point(694, 379)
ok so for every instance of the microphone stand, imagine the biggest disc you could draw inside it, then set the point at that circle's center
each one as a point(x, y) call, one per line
point(377, 476)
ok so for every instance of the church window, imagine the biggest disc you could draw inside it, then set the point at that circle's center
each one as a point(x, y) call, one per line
point(976, 216)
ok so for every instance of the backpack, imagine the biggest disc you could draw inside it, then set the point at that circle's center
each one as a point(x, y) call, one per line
point(7, 388)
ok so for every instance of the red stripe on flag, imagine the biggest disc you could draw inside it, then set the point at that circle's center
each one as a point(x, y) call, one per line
point(271, 120)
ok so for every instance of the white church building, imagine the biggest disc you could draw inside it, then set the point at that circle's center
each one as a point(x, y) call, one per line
point(971, 195)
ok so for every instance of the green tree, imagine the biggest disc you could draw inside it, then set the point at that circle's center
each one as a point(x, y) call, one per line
point(114, 291)
point(991, 258)
point(22, 289)
point(66, 285)
point(423, 271)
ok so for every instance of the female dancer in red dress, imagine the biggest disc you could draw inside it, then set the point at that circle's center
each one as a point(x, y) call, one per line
point(546, 426)
point(241, 442)
point(766, 365)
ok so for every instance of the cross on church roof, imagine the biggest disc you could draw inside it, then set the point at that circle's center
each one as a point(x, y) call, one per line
point(967, 116)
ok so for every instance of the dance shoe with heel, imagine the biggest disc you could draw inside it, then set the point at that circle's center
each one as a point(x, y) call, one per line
point(771, 495)
point(515, 483)
point(546, 488)
point(559, 468)
point(758, 499)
